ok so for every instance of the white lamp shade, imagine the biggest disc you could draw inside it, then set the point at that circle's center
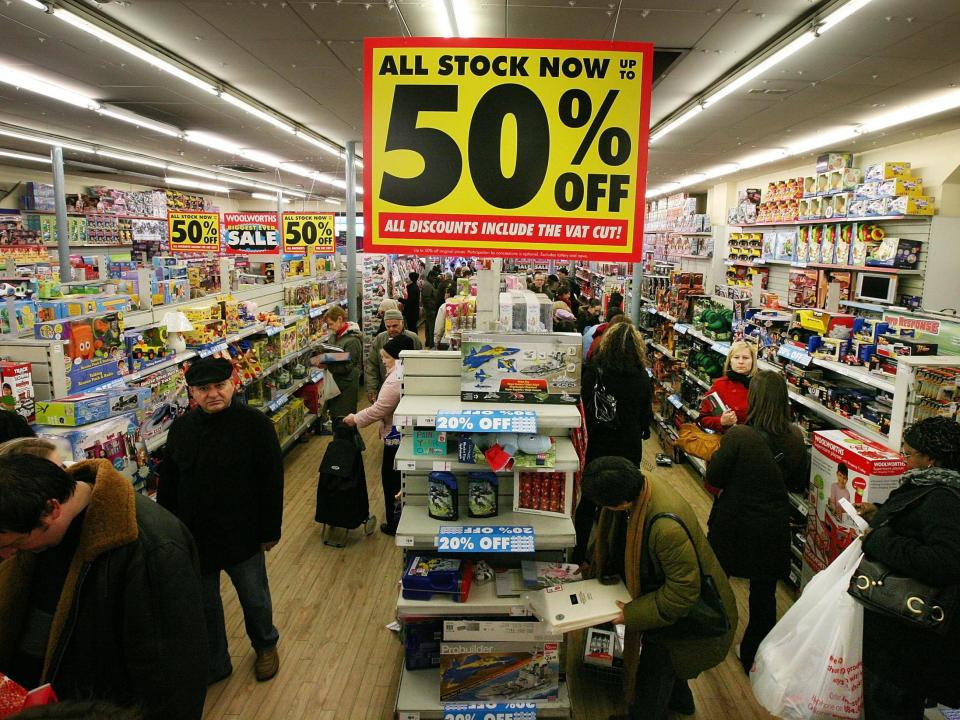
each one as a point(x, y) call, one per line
point(176, 322)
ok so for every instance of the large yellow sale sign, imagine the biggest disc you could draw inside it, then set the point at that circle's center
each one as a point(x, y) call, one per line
point(519, 148)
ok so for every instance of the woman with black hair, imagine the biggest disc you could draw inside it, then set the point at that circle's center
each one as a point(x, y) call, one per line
point(916, 533)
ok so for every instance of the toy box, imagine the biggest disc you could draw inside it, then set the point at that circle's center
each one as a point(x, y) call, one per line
point(429, 442)
point(429, 575)
point(886, 171)
point(201, 313)
point(71, 306)
point(843, 465)
point(895, 252)
point(823, 183)
point(145, 346)
point(112, 439)
point(525, 311)
point(168, 400)
point(93, 348)
point(543, 492)
point(522, 367)
point(421, 637)
point(205, 332)
point(834, 161)
point(900, 186)
point(896, 345)
point(129, 284)
point(503, 671)
point(907, 205)
point(16, 380)
point(86, 408)
point(25, 312)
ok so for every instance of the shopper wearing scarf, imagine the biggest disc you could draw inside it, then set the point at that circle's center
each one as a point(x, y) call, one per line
point(663, 578)
point(916, 533)
point(754, 467)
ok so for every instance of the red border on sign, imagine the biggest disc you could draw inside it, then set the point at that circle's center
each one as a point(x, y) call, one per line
point(643, 135)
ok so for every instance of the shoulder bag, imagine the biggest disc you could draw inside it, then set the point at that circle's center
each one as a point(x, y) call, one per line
point(708, 616)
point(696, 441)
point(604, 403)
point(878, 588)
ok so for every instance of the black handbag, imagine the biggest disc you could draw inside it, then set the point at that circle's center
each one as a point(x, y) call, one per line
point(708, 616)
point(880, 589)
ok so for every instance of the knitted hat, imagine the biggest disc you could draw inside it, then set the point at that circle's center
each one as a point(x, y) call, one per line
point(387, 304)
point(392, 315)
point(394, 346)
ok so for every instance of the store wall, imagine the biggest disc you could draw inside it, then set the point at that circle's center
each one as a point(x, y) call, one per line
point(11, 175)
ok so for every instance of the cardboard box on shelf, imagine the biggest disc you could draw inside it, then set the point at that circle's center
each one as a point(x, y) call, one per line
point(907, 205)
point(886, 171)
point(843, 465)
point(16, 380)
point(86, 408)
point(521, 367)
point(499, 672)
point(93, 348)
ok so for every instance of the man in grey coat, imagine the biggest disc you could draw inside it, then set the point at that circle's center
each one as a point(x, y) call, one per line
point(374, 371)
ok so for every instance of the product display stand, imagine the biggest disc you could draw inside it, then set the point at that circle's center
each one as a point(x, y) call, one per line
point(431, 384)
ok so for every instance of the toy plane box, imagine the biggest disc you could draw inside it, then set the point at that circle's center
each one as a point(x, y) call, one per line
point(843, 465)
point(492, 672)
point(521, 367)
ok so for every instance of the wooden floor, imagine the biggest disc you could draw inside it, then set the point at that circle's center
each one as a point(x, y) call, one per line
point(338, 660)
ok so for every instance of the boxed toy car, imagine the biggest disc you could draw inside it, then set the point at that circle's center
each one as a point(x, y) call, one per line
point(16, 380)
point(145, 346)
point(495, 672)
point(843, 465)
point(895, 345)
point(86, 408)
point(521, 367)
point(93, 348)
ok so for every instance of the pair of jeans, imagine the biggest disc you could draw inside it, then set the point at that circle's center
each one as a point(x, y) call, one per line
point(249, 578)
point(884, 700)
point(656, 683)
point(763, 616)
point(390, 479)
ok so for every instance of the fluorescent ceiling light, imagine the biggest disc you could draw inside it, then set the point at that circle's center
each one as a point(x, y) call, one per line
point(134, 119)
point(448, 18)
point(835, 18)
point(194, 172)
point(109, 37)
point(212, 141)
point(30, 82)
point(916, 111)
point(829, 137)
point(262, 157)
point(133, 159)
point(674, 124)
point(24, 156)
point(37, 4)
point(264, 196)
point(52, 142)
point(187, 183)
point(257, 112)
point(754, 72)
point(719, 170)
point(335, 201)
point(320, 143)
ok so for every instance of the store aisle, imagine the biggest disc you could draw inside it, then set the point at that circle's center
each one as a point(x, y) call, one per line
point(339, 662)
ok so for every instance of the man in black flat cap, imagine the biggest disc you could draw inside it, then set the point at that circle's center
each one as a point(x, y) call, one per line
point(222, 475)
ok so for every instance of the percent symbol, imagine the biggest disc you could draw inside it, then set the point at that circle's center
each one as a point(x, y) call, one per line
point(576, 110)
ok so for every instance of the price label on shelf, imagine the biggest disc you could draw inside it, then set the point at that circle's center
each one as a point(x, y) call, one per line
point(441, 465)
point(681, 328)
point(486, 539)
point(721, 347)
point(316, 312)
point(501, 148)
point(489, 711)
point(308, 233)
point(272, 330)
point(795, 354)
point(212, 349)
point(191, 232)
point(406, 465)
point(517, 421)
point(675, 401)
point(404, 540)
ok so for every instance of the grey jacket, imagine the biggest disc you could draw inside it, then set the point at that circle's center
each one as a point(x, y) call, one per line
point(374, 371)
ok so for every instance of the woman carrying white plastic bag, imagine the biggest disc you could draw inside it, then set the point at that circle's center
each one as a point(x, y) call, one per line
point(810, 666)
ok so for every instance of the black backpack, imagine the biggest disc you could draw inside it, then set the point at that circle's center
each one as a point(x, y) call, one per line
point(342, 486)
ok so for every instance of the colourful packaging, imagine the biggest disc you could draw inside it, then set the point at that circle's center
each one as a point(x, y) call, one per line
point(499, 671)
point(86, 408)
point(93, 348)
point(16, 381)
point(843, 465)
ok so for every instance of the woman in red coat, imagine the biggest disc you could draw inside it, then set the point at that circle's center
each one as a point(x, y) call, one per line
point(732, 388)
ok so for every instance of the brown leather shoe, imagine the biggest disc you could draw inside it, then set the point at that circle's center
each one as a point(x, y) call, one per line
point(267, 664)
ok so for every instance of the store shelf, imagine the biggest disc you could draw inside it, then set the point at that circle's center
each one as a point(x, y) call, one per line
point(307, 424)
point(419, 697)
point(698, 381)
point(566, 459)
point(482, 600)
point(699, 464)
point(660, 348)
point(860, 374)
point(837, 418)
point(169, 362)
point(834, 221)
point(799, 503)
point(421, 411)
point(283, 398)
point(157, 441)
point(418, 530)
point(820, 266)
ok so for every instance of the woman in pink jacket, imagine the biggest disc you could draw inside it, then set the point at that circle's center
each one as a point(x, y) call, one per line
point(382, 409)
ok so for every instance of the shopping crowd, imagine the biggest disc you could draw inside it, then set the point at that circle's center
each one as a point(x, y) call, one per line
point(115, 600)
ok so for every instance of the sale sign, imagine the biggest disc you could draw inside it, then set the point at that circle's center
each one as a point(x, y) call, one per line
point(248, 233)
point(192, 232)
point(308, 233)
point(519, 148)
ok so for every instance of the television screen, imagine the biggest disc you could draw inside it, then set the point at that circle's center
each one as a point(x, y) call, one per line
point(874, 286)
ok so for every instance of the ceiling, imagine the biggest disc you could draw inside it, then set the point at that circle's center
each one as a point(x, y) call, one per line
point(304, 58)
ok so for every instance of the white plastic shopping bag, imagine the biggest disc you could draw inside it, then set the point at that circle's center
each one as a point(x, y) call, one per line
point(810, 666)
point(329, 390)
